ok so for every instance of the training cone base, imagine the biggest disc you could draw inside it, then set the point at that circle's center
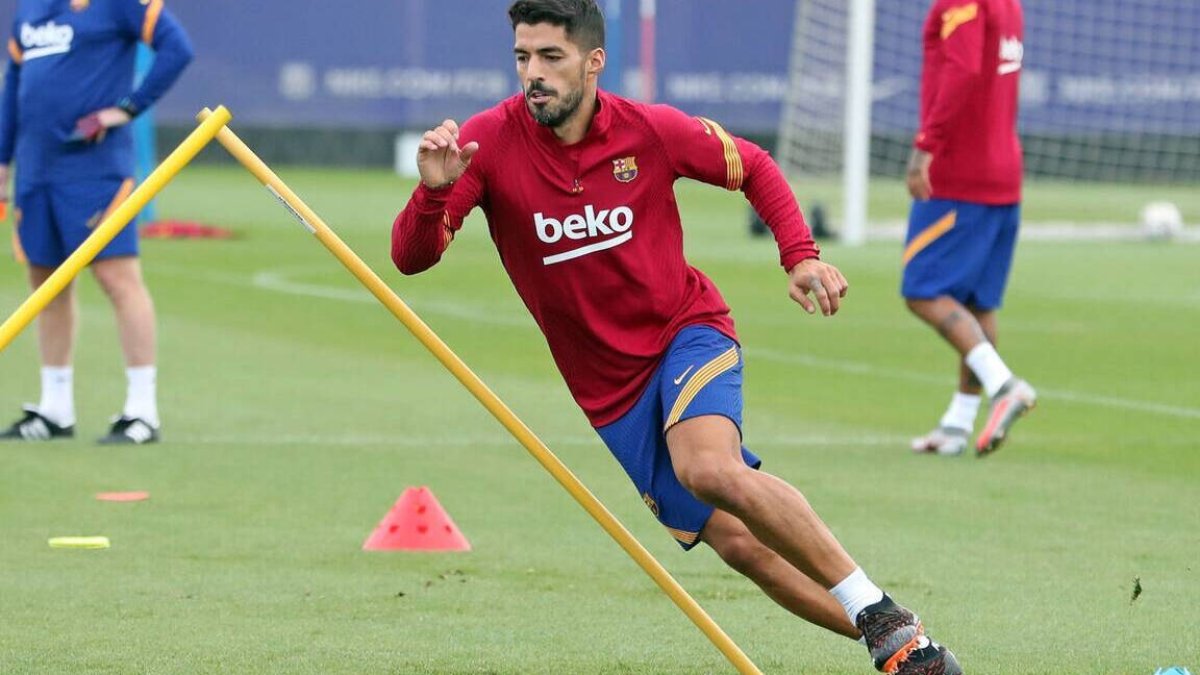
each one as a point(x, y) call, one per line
point(417, 522)
point(137, 496)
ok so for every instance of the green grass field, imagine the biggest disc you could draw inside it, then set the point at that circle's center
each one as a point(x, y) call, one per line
point(296, 410)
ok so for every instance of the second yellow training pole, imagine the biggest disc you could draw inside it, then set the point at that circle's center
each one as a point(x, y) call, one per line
point(104, 233)
point(489, 399)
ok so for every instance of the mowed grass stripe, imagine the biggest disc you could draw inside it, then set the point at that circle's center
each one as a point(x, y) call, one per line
point(246, 558)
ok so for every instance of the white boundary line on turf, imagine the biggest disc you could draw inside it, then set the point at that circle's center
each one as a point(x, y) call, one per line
point(799, 440)
point(277, 281)
point(1053, 230)
point(860, 368)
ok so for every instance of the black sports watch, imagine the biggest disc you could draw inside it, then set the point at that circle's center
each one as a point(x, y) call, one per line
point(129, 107)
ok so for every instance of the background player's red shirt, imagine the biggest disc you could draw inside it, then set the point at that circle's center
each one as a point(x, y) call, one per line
point(972, 66)
point(590, 232)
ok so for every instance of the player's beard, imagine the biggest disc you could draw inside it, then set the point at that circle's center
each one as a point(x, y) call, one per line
point(555, 113)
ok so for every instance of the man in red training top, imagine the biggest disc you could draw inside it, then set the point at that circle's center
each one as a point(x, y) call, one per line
point(577, 187)
point(965, 179)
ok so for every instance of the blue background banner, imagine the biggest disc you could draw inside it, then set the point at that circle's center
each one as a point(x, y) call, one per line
point(1097, 66)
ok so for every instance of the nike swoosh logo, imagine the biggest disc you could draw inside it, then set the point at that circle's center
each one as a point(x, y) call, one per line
point(682, 375)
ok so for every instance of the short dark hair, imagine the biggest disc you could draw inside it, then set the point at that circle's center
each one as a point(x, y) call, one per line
point(582, 19)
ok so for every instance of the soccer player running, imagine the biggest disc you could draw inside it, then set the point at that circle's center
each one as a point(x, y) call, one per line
point(965, 178)
point(68, 96)
point(577, 187)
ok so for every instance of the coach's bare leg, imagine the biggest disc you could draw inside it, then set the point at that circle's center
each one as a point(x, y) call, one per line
point(968, 383)
point(955, 323)
point(56, 324)
point(947, 319)
point(782, 582)
point(706, 452)
point(121, 279)
point(56, 328)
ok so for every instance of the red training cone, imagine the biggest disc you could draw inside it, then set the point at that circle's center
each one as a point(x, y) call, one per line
point(417, 522)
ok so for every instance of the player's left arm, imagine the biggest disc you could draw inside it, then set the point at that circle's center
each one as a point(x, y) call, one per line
point(153, 24)
point(702, 149)
point(158, 28)
point(8, 115)
point(961, 31)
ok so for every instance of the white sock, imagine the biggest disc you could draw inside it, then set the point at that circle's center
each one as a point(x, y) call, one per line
point(58, 395)
point(988, 367)
point(856, 592)
point(962, 411)
point(141, 399)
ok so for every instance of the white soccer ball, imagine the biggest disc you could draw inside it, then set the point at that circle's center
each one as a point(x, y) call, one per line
point(1161, 220)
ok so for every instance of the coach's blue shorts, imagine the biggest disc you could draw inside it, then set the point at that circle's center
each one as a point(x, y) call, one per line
point(54, 219)
point(959, 249)
point(701, 374)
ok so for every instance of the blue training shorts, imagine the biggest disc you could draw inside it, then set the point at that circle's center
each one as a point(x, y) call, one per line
point(700, 374)
point(54, 219)
point(959, 249)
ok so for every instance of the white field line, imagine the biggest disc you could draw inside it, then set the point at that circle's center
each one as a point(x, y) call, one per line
point(869, 370)
point(799, 440)
point(277, 281)
point(894, 230)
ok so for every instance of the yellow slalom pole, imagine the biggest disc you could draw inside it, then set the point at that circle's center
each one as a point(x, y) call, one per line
point(104, 233)
point(499, 410)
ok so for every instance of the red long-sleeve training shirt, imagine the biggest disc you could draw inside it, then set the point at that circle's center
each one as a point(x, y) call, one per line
point(590, 233)
point(972, 66)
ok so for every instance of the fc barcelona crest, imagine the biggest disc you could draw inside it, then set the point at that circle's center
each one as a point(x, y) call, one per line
point(651, 503)
point(625, 169)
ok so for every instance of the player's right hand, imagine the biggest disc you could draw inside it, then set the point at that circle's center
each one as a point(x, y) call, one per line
point(917, 174)
point(93, 127)
point(439, 159)
point(824, 281)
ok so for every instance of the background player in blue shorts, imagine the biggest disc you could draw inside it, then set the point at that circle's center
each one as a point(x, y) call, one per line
point(965, 177)
point(68, 94)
